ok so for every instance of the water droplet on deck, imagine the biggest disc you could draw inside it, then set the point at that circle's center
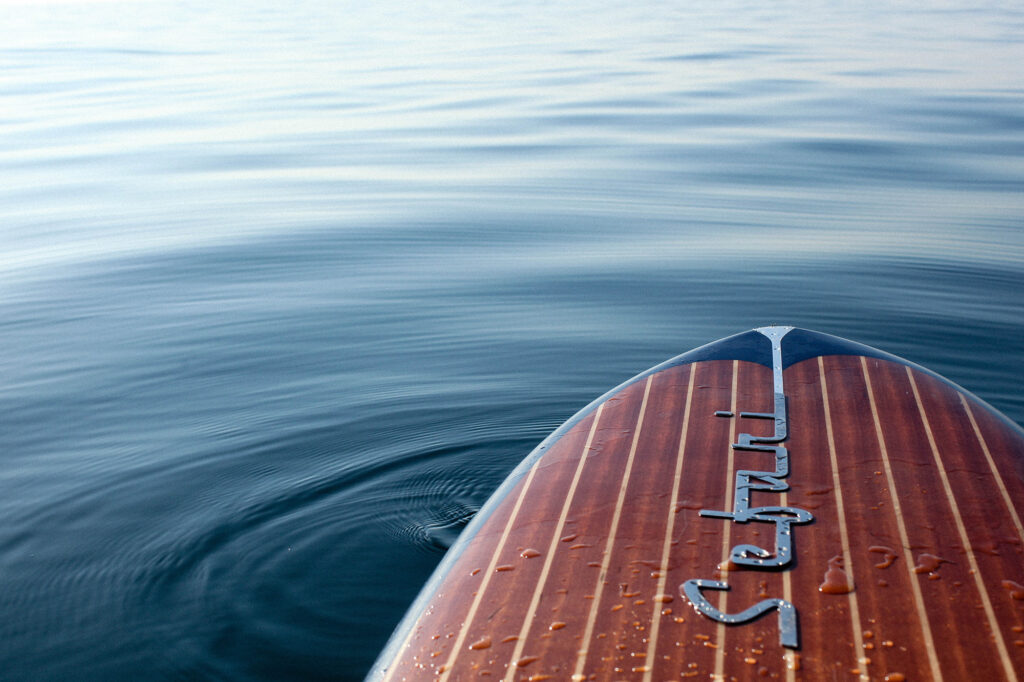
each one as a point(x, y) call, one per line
point(557, 625)
point(525, 661)
point(793, 661)
point(894, 677)
point(888, 555)
point(928, 563)
point(482, 643)
point(579, 546)
point(570, 538)
point(510, 638)
point(504, 567)
point(537, 677)
point(1016, 589)
point(836, 580)
point(617, 607)
point(663, 598)
point(529, 553)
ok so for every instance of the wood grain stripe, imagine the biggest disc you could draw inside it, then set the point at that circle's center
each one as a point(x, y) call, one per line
point(531, 611)
point(908, 559)
point(726, 534)
point(670, 525)
point(992, 465)
point(844, 533)
point(964, 537)
point(588, 631)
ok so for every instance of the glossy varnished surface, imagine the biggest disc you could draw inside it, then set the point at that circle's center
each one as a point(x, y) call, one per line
point(576, 573)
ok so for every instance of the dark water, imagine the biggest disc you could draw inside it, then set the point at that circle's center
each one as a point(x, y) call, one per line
point(286, 289)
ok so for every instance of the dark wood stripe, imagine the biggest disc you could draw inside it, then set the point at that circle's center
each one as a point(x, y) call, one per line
point(881, 575)
point(826, 652)
point(623, 529)
point(842, 514)
point(661, 608)
point(1000, 480)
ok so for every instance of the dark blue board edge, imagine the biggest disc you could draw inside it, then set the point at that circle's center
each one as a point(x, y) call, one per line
point(750, 346)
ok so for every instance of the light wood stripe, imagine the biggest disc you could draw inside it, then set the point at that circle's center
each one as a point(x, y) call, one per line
point(908, 559)
point(992, 465)
point(789, 656)
point(844, 534)
point(964, 537)
point(552, 546)
point(670, 525)
point(588, 631)
point(726, 534)
point(491, 570)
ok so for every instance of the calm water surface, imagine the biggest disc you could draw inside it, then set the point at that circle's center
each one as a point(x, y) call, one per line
point(286, 289)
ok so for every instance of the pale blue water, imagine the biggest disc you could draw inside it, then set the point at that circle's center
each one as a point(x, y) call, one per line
point(286, 289)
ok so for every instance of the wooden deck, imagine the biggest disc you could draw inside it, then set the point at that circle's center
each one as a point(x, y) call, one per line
point(913, 567)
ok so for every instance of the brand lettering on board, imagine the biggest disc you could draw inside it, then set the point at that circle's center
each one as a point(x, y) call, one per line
point(783, 517)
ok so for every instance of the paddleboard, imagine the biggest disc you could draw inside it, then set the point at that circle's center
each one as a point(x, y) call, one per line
point(780, 504)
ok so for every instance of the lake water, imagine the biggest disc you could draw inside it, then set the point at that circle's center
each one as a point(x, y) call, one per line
point(287, 288)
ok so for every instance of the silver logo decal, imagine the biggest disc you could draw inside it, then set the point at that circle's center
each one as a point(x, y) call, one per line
point(784, 518)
